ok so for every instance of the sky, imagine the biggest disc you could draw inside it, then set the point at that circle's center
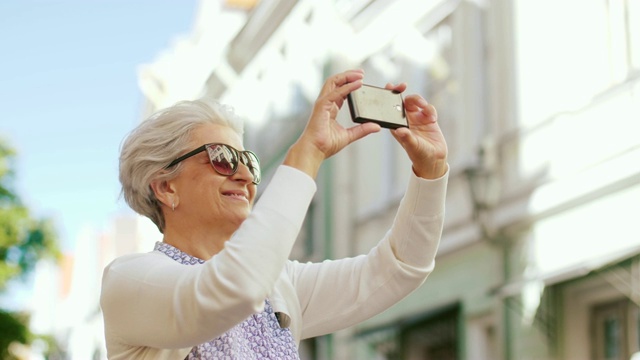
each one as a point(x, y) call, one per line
point(69, 95)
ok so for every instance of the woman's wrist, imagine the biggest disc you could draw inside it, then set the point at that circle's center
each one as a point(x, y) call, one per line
point(304, 157)
point(435, 171)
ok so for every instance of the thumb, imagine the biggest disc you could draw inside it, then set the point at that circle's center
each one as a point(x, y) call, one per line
point(362, 130)
point(404, 137)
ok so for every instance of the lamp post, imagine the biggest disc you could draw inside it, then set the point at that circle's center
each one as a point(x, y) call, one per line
point(483, 179)
point(484, 183)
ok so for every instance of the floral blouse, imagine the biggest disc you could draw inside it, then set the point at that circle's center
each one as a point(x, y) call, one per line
point(258, 337)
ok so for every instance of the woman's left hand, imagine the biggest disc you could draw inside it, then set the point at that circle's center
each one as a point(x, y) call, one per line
point(423, 140)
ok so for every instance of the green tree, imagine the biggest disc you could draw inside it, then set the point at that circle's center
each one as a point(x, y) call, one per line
point(24, 240)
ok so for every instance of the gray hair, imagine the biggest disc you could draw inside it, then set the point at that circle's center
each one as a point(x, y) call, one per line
point(157, 141)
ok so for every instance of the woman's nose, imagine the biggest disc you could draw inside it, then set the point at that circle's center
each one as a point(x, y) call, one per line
point(243, 173)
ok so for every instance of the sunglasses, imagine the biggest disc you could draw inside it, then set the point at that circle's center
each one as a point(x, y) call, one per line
point(225, 160)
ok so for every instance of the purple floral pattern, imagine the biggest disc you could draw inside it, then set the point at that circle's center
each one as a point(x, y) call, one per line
point(258, 337)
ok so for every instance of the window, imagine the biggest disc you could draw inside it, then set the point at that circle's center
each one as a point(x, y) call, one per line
point(432, 339)
point(432, 336)
point(623, 37)
point(615, 330)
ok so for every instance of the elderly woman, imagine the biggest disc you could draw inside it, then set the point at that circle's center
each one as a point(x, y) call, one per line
point(220, 284)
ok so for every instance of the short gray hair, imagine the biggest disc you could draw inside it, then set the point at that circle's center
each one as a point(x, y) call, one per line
point(157, 141)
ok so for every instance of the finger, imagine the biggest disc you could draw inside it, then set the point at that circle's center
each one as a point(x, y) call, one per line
point(362, 130)
point(417, 104)
point(354, 74)
point(345, 89)
point(341, 79)
point(339, 94)
point(403, 136)
point(407, 140)
point(397, 88)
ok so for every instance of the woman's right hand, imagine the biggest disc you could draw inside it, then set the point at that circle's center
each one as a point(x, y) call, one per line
point(324, 136)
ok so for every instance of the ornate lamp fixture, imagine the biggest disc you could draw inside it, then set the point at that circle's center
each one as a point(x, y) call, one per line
point(484, 187)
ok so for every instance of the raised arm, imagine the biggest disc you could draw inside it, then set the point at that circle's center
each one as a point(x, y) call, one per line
point(336, 294)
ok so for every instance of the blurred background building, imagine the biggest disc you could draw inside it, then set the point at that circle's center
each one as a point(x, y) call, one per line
point(66, 298)
point(540, 104)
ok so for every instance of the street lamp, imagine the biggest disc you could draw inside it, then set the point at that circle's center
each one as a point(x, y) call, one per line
point(484, 187)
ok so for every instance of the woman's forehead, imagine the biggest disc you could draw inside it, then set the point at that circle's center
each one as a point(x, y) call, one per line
point(214, 133)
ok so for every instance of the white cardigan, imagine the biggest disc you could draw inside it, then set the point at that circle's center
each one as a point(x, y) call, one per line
point(156, 308)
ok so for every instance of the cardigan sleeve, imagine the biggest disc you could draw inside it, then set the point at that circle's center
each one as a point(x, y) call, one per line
point(336, 294)
point(149, 300)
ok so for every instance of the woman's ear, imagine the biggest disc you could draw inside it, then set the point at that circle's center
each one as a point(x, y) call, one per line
point(165, 192)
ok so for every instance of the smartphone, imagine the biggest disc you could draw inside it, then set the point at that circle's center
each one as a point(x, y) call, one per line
point(378, 105)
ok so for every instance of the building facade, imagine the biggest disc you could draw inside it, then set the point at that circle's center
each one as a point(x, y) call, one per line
point(540, 105)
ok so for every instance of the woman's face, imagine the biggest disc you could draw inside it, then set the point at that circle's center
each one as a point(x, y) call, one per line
point(207, 198)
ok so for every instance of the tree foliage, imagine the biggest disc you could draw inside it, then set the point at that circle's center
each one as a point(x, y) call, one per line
point(24, 240)
point(12, 329)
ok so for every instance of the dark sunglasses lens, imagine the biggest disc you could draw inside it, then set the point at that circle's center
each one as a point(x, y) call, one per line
point(251, 160)
point(223, 159)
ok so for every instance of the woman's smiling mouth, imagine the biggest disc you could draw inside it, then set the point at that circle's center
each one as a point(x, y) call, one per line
point(236, 194)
